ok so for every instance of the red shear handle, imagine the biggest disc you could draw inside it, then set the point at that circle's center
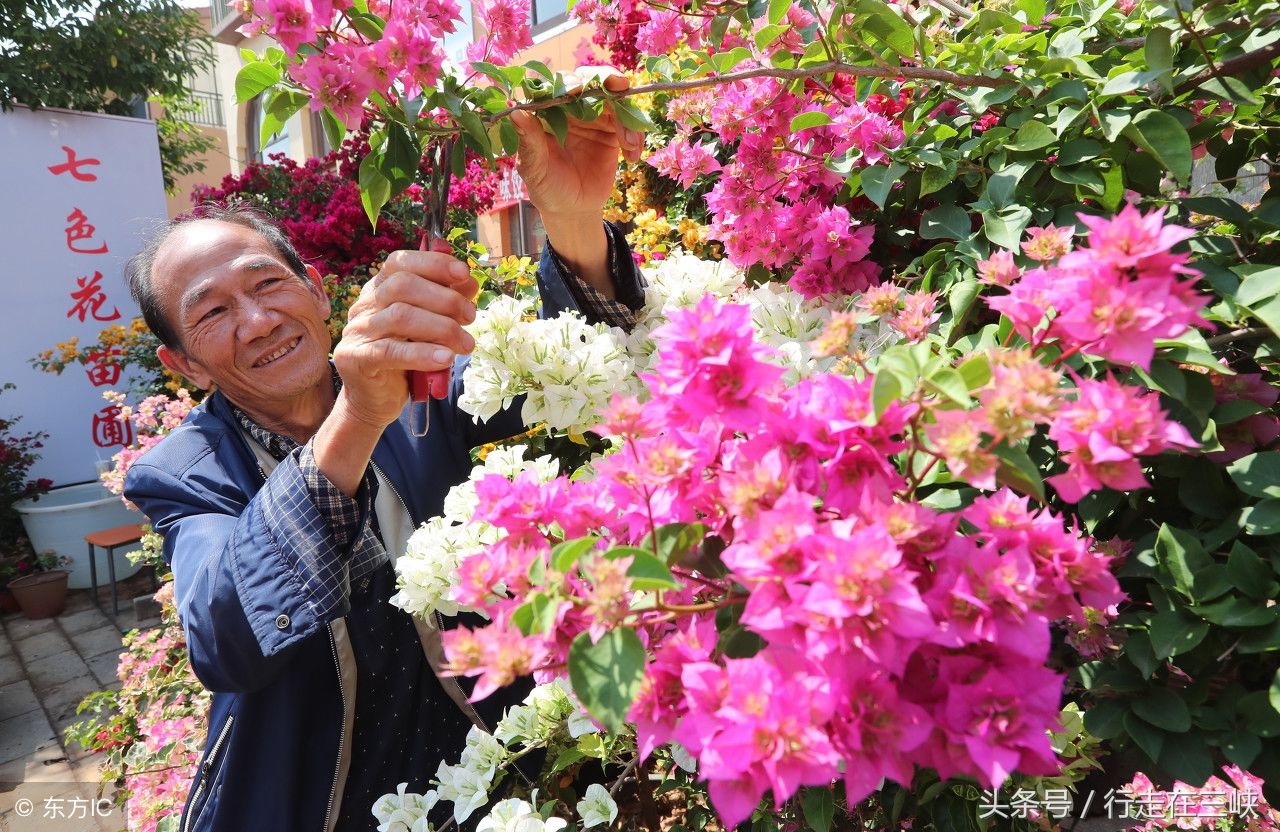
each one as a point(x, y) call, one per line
point(423, 385)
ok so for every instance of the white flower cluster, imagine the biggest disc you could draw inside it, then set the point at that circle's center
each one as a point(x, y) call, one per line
point(401, 812)
point(566, 368)
point(782, 318)
point(548, 710)
point(428, 571)
point(570, 370)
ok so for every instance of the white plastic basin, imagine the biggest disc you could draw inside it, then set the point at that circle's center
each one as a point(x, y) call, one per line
point(59, 520)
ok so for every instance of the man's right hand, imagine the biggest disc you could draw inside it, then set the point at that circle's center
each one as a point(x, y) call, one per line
point(408, 317)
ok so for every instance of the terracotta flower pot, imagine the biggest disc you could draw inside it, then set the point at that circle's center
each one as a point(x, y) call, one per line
point(8, 603)
point(42, 595)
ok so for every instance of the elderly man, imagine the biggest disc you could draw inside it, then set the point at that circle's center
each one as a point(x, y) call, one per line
point(285, 497)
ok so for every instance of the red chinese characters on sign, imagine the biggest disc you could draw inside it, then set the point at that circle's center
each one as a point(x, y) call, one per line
point(109, 430)
point(89, 300)
point(73, 166)
point(104, 370)
point(79, 228)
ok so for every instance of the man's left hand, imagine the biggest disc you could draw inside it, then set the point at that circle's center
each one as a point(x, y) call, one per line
point(576, 179)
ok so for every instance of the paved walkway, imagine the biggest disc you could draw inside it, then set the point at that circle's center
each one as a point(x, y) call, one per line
point(47, 666)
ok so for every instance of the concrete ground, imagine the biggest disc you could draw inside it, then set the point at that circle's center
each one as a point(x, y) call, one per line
point(47, 666)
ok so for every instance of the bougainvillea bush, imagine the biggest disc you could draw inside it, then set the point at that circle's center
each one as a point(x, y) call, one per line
point(150, 731)
point(977, 421)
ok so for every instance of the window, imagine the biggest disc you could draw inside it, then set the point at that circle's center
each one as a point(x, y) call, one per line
point(546, 14)
point(527, 233)
point(278, 143)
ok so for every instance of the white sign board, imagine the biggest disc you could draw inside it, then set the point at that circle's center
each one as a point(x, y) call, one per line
point(78, 193)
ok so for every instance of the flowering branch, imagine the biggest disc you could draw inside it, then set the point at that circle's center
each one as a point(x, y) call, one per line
point(913, 72)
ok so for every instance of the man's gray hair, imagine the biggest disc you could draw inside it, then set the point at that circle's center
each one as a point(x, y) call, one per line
point(138, 271)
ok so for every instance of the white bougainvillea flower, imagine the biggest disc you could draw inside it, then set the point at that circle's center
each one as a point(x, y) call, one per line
point(404, 811)
point(467, 790)
point(483, 754)
point(596, 807)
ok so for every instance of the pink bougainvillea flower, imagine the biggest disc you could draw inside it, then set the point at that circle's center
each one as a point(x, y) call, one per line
point(1104, 432)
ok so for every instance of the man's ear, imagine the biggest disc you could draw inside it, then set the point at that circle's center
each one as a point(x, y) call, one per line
point(177, 362)
point(317, 286)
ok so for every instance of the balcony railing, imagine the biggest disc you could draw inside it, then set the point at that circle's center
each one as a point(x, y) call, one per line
point(224, 19)
point(209, 113)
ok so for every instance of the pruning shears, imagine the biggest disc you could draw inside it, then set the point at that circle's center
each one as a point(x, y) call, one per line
point(423, 385)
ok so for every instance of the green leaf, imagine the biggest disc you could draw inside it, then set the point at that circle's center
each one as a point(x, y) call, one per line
point(675, 541)
point(819, 808)
point(1164, 137)
point(1005, 228)
point(1257, 711)
point(375, 189)
point(606, 675)
point(557, 121)
point(567, 758)
point(566, 554)
point(1242, 748)
point(335, 131)
point(1231, 89)
point(1257, 475)
point(878, 180)
point(1175, 632)
point(1273, 693)
point(886, 389)
point(950, 384)
point(401, 158)
point(1268, 313)
point(647, 572)
point(886, 26)
point(1187, 758)
point(509, 137)
point(1148, 738)
point(1181, 555)
point(1262, 519)
point(1258, 285)
point(812, 118)
point(537, 615)
point(934, 179)
point(976, 370)
point(1164, 708)
point(768, 34)
point(945, 222)
point(369, 25)
point(1105, 720)
point(253, 78)
point(1235, 611)
point(1032, 135)
point(1017, 471)
point(778, 10)
point(1250, 573)
point(473, 126)
point(1159, 53)
point(1079, 150)
point(280, 108)
point(632, 117)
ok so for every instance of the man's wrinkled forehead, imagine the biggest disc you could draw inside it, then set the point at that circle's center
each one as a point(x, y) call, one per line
point(200, 255)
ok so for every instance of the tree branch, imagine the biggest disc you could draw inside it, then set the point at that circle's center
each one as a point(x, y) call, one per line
point(1238, 335)
point(1235, 66)
point(913, 72)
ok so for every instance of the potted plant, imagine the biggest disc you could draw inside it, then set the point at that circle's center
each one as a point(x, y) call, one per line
point(41, 588)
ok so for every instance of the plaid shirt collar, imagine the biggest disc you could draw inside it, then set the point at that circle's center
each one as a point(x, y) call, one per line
point(277, 444)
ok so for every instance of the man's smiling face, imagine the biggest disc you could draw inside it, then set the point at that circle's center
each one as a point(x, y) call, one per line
point(244, 320)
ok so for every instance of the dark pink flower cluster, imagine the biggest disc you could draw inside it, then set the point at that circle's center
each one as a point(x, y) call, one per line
point(1114, 297)
point(1103, 432)
point(891, 639)
point(774, 206)
point(1244, 436)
